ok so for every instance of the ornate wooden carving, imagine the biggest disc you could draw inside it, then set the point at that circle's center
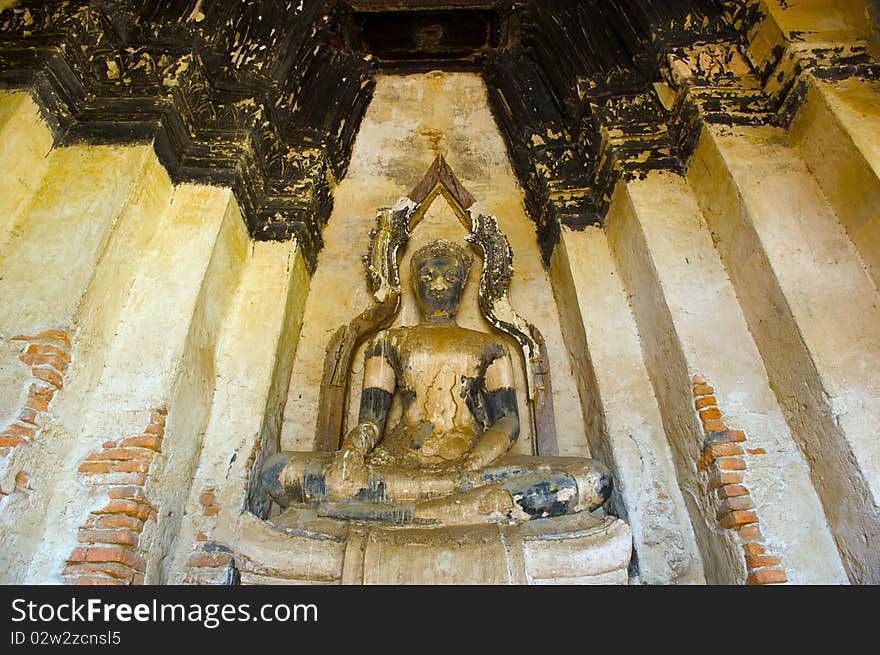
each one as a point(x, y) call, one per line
point(267, 96)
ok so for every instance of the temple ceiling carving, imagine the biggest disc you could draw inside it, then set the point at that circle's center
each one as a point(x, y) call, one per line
point(267, 96)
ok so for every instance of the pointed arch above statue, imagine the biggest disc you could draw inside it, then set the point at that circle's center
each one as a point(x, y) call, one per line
point(392, 231)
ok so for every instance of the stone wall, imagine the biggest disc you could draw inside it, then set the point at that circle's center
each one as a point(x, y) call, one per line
point(152, 354)
point(128, 298)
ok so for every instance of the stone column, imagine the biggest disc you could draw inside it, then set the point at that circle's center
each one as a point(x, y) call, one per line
point(813, 312)
point(620, 408)
point(802, 283)
point(156, 378)
point(690, 323)
point(60, 244)
point(253, 372)
point(836, 131)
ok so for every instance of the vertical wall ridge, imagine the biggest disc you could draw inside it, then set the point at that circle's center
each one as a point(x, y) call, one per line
point(785, 315)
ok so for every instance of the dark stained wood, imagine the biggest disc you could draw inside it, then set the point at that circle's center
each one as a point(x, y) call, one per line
point(337, 369)
point(439, 172)
point(419, 5)
point(546, 440)
point(267, 96)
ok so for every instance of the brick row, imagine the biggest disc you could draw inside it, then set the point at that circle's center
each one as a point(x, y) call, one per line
point(722, 460)
point(110, 536)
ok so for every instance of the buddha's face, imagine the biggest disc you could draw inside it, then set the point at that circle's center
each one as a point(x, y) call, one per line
point(438, 285)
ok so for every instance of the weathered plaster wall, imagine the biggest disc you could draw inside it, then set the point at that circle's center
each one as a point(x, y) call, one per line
point(150, 300)
point(603, 342)
point(812, 309)
point(148, 348)
point(24, 144)
point(836, 133)
point(410, 119)
point(690, 323)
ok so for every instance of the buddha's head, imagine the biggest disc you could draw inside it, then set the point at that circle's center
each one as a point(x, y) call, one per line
point(439, 272)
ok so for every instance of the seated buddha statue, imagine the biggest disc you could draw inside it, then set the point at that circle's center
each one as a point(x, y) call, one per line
point(447, 460)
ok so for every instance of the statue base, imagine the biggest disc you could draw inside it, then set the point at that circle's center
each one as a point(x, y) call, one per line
point(300, 547)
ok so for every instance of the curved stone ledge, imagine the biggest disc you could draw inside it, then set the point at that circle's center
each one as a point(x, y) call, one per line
point(300, 547)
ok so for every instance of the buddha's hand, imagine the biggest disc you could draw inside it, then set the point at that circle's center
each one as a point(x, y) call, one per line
point(473, 462)
point(491, 445)
point(347, 474)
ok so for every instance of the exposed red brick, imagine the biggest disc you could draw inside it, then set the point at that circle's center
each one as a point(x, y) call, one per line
point(56, 362)
point(37, 404)
point(113, 531)
point(122, 536)
point(118, 571)
point(736, 504)
point(116, 554)
point(732, 491)
point(50, 376)
point(96, 580)
point(95, 467)
point(736, 435)
point(703, 390)
point(22, 482)
point(153, 443)
point(113, 521)
point(211, 511)
point(731, 464)
point(756, 451)
point(20, 430)
point(750, 532)
point(710, 413)
point(127, 493)
point(37, 349)
point(42, 392)
point(705, 401)
point(115, 478)
point(737, 518)
point(9, 441)
point(121, 454)
point(201, 536)
point(130, 465)
point(719, 478)
point(758, 561)
point(58, 335)
point(209, 559)
point(208, 498)
point(129, 508)
point(714, 426)
point(753, 549)
point(722, 450)
point(28, 415)
point(767, 576)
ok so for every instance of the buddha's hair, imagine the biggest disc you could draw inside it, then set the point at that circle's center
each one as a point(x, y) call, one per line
point(442, 248)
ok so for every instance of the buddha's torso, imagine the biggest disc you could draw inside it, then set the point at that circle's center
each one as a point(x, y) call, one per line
point(440, 371)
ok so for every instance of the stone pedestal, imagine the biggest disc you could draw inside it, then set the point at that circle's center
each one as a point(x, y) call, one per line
point(301, 548)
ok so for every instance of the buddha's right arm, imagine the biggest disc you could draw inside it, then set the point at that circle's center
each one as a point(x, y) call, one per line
point(378, 389)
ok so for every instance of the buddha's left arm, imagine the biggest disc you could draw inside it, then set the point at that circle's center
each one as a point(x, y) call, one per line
point(501, 405)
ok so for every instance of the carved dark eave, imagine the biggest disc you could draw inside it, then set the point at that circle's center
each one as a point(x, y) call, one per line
point(258, 95)
point(267, 96)
point(582, 69)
